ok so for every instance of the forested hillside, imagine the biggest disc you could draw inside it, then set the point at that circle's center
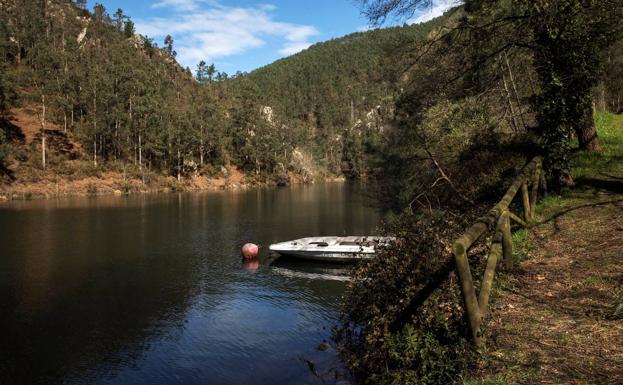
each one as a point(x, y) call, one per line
point(93, 83)
point(82, 87)
point(343, 90)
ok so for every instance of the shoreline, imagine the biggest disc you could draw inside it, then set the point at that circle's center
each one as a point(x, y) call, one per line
point(114, 186)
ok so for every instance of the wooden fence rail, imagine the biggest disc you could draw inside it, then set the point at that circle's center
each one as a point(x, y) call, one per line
point(499, 217)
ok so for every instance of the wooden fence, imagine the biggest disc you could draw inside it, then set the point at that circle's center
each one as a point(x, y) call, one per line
point(498, 217)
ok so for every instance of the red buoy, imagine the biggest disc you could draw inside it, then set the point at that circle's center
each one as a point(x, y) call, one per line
point(250, 250)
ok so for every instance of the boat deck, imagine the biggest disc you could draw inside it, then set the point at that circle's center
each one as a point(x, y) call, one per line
point(331, 248)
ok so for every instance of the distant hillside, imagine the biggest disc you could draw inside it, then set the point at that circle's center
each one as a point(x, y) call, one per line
point(363, 68)
point(121, 98)
point(332, 85)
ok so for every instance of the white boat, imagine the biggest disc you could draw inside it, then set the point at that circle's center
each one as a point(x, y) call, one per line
point(338, 249)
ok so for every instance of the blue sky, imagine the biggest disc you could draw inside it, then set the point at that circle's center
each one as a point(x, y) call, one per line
point(246, 34)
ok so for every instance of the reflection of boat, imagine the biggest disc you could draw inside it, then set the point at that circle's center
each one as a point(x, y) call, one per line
point(338, 249)
point(310, 271)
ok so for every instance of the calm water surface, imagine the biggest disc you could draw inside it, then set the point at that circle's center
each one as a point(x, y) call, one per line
point(151, 289)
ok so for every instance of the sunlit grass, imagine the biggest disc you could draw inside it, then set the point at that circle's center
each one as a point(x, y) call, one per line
point(589, 166)
point(609, 162)
point(496, 380)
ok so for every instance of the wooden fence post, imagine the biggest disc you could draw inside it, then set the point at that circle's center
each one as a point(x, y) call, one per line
point(536, 178)
point(525, 198)
point(469, 293)
point(507, 241)
point(476, 305)
point(487, 280)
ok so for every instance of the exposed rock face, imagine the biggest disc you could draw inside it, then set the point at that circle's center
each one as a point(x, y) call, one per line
point(372, 121)
point(268, 114)
point(303, 164)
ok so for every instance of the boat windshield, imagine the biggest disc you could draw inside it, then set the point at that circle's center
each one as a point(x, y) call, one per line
point(319, 244)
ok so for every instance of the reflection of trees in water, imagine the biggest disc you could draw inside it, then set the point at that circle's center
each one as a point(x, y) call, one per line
point(82, 291)
point(91, 325)
point(88, 285)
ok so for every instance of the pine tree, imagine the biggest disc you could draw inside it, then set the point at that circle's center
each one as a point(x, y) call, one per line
point(128, 29)
point(119, 20)
point(168, 46)
point(201, 73)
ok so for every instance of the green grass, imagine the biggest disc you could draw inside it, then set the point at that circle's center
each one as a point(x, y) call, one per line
point(525, 375)
point(521, 246)
point(608, 162)
point(587, 167)
point(496, 380)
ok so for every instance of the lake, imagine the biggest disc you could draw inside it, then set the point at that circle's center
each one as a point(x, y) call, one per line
point(151, 289)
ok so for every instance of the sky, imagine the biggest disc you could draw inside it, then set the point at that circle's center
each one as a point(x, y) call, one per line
point(243, 35)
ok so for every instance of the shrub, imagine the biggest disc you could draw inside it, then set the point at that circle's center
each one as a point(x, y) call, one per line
point(403, 320)
point(78, 169)
point(91, 189)
point(172, 185)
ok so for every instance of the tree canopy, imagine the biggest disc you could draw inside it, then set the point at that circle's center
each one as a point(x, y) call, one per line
point(565, 40)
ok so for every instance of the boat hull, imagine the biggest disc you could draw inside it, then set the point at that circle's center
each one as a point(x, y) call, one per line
point(331, 249)
point(325, 256)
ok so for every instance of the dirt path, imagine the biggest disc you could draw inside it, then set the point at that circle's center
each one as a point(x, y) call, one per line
point(559, 319)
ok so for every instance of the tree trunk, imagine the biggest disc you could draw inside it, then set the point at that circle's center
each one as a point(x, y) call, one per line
point(95, 125)
point(512, 79)
point(201, 145)
point(587, 133)
point(140, 153)
point(43, 131)
point(18, 57)
point(510, 105)
point(117, 144)
point(179, 166)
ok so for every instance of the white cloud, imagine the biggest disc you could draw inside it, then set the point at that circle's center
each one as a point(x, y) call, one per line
point(207, 30)
point(437, 9)
point(292, 48)
point(183, 5)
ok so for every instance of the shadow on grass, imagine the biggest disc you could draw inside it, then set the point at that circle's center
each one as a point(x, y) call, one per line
point(614, 185)
point(574, 208)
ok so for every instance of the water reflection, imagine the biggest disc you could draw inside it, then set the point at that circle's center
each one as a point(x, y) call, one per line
point(293, 268)
point(251, 265)
point(152, 290)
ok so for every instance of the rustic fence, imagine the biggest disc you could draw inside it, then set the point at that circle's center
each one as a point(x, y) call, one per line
point(498, 217)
